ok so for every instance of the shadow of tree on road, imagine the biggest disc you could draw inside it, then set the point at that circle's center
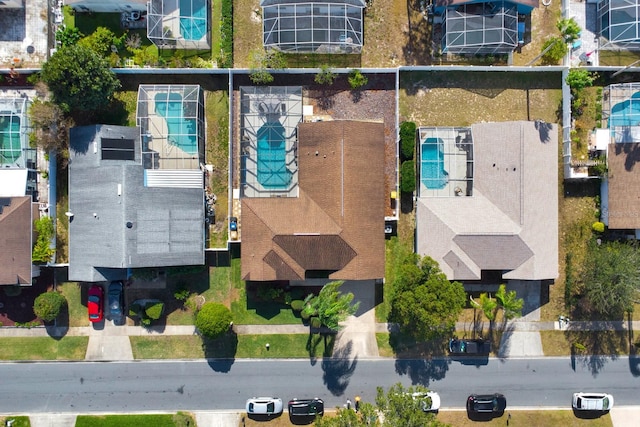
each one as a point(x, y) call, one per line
point(424, 361)
point(339, 369)
point(221, 352)
point(593, 349)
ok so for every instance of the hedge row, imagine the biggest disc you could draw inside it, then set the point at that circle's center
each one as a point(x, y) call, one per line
point(226, 32)
point(407, 140)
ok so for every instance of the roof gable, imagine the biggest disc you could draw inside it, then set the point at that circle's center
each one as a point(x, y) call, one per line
point(16, 230)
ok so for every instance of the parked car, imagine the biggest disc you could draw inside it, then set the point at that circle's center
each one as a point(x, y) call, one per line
point(306, 407)
point(592, 401)
point(95, 302)
point(486, 403)
point(428, 406)
point(116, 300)
point(463, 347)
point(264, 405)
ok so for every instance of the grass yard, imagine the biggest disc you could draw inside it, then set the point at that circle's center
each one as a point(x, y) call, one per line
point(526, 419)
point(247, 31)
point(76, 303)
point(138, 420)
point(234, 346)
point(543, 27)
point(43, 348)
point(617, 58)
point(601, 343)
point(17, 421)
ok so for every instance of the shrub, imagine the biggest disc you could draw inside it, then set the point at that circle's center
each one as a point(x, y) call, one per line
point(407, 177)
point(42, 250)
point(305, 314)
point(598, 227)
point(226, 34)
point(557, 50)
point(407, 140)
point(315, 322)
point(287, 298)
point(267, 293)
point(213, 319)
point(357, 79)
point(48, 305)
point(325, 76)
point(154, 311)
point(297, 305)
point(135, 309)
point(181, 293)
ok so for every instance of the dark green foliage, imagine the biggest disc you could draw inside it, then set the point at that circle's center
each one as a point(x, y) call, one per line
point(226, 32)
point(569, 29)
point(331, 306)
point(269, 293)
point(579, 78)
point(315, 322)
point(261, 61)
point(154, 311)
point(213, 320)
point(68, 36)
point(135, 310)
point(407, 177)
point(48, 305)
point(325, 76)
point(407, 140)
point(297, 305)
point(357, 79)
point(182, 292)
point(42, 250)
point(425, 304)
point(557, 49)
point(101, 41)
point(79, 79)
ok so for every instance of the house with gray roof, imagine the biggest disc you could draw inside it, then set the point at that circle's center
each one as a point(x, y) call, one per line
point(488, 200)
point(125, 214)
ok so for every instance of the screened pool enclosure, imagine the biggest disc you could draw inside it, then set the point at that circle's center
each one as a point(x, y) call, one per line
point(619, 24)
point(182, 24)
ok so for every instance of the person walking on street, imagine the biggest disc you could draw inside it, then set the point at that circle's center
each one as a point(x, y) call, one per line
point(348, 404)
point(357, 403)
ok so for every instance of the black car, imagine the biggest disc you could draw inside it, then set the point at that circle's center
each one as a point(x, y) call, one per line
point(116, 300)
point(306, 407)
point(486, 403)
point(469, 347)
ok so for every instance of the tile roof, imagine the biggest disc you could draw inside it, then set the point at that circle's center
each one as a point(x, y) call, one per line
point(511, 221)
point(336, 224)
point(623, 179)
point(16, 231)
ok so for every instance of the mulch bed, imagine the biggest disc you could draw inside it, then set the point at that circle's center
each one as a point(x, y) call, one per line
point(20, 308)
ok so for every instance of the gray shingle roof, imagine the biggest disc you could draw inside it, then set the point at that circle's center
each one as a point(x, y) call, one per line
point(511, 221)
point(118, 222)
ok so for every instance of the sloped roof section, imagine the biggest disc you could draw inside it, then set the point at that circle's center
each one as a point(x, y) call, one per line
point(15, 240)
point(509, 222)
point(623, 181)
point(336, 222)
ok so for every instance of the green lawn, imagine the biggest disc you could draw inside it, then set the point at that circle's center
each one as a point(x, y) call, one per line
point(43, 348)
point(601, 343)
point(234, 346)
point(141, 420)
point(17, 421)
point(72, 291)
point(526, 419)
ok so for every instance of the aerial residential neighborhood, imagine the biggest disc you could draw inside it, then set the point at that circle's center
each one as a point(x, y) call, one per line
point(319, 212)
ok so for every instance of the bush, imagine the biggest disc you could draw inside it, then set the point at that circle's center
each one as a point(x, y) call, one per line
point(48, 305)
point(135, 309)
point(226, 34)
point(181, 293)
point(305, 314)
point(213, 319)
point(407, 140)
point(598, 227)
point(267, 293)
point(325, 76)
point(154, 311)
point(407, 177)
point(297, 305)
point(555, 52)
point(42, 251)
point(315, 322)
point(357, 79)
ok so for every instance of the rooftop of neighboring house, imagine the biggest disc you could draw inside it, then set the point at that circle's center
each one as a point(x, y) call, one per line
point(24, 33)
point(623, 178)
point(16, 230)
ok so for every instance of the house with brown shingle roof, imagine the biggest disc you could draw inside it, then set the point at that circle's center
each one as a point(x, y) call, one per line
point(16, 236)
point(490, 204)
point(623, 182)
point(334, 228)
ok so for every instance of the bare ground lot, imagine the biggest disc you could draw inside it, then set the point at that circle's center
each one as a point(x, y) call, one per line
point(375, 102)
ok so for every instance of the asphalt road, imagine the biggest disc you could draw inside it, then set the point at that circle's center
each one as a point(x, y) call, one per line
point(200, 385)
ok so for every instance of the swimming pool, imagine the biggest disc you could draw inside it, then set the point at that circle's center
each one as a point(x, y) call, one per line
point(626, 113)
point(272, 162)
point(193, 19)
point(432, 173)
point(10, 149)
point(182, 131)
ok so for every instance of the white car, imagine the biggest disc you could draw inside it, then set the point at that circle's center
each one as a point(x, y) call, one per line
point(435, 400)
point(592, 401)
point(264, 405)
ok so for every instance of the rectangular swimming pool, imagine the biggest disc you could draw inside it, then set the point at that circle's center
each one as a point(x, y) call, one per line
point(432, 172)
point(10, 149)
point(182, 131)
point(272, 162)
point(193, 19)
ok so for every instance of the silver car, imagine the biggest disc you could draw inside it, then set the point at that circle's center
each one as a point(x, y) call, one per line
point(592, 401)
point(264, 405)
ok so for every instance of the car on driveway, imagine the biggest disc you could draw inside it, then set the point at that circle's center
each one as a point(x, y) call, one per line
point(116, 300)
point(465, 347)
point(486, 403)
point(592, 402)
point(95, 303)
point(430, 400)
point(306, 408)
point(264, 405)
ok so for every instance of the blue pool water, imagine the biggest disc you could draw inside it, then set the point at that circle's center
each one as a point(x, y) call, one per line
point(193, 21)
point(182, 131)
point(626, 113)
point(432, 172)
point(10, 149)
point(272, 162)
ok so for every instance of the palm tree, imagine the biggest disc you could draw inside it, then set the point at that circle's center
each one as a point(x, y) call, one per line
point(509, 303)
point(489, 307)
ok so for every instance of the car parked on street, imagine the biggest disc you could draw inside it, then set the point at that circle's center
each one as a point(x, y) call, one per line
point(95, 303)
point(592, 402)
point(465, 347)
point(264, 406)
point(116, 301)
point(305, 408)
point(486, 404)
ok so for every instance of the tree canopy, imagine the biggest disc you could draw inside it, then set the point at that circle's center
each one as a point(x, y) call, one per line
point(425, 304)
point(332, 306)
point(79, 79)
point(213, 319)
point(47, 306)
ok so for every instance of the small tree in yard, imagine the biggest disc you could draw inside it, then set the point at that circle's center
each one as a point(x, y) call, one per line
point(48, 305)
point(357, 79)
point(331, 306)
point(569, 29)
point(42, 251)
point(325, 76)
point(263, 60)
point(213, 320)
point(407, 140)
point(554, 50)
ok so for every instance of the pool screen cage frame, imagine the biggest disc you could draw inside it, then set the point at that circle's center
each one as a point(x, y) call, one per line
point(613, 95)
point(458, 160)
point(480, 28)
point(619, 24)
point(164, 21)
point(334, 26)
point(254, 113)
point(17, 107)
point(154, 128)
